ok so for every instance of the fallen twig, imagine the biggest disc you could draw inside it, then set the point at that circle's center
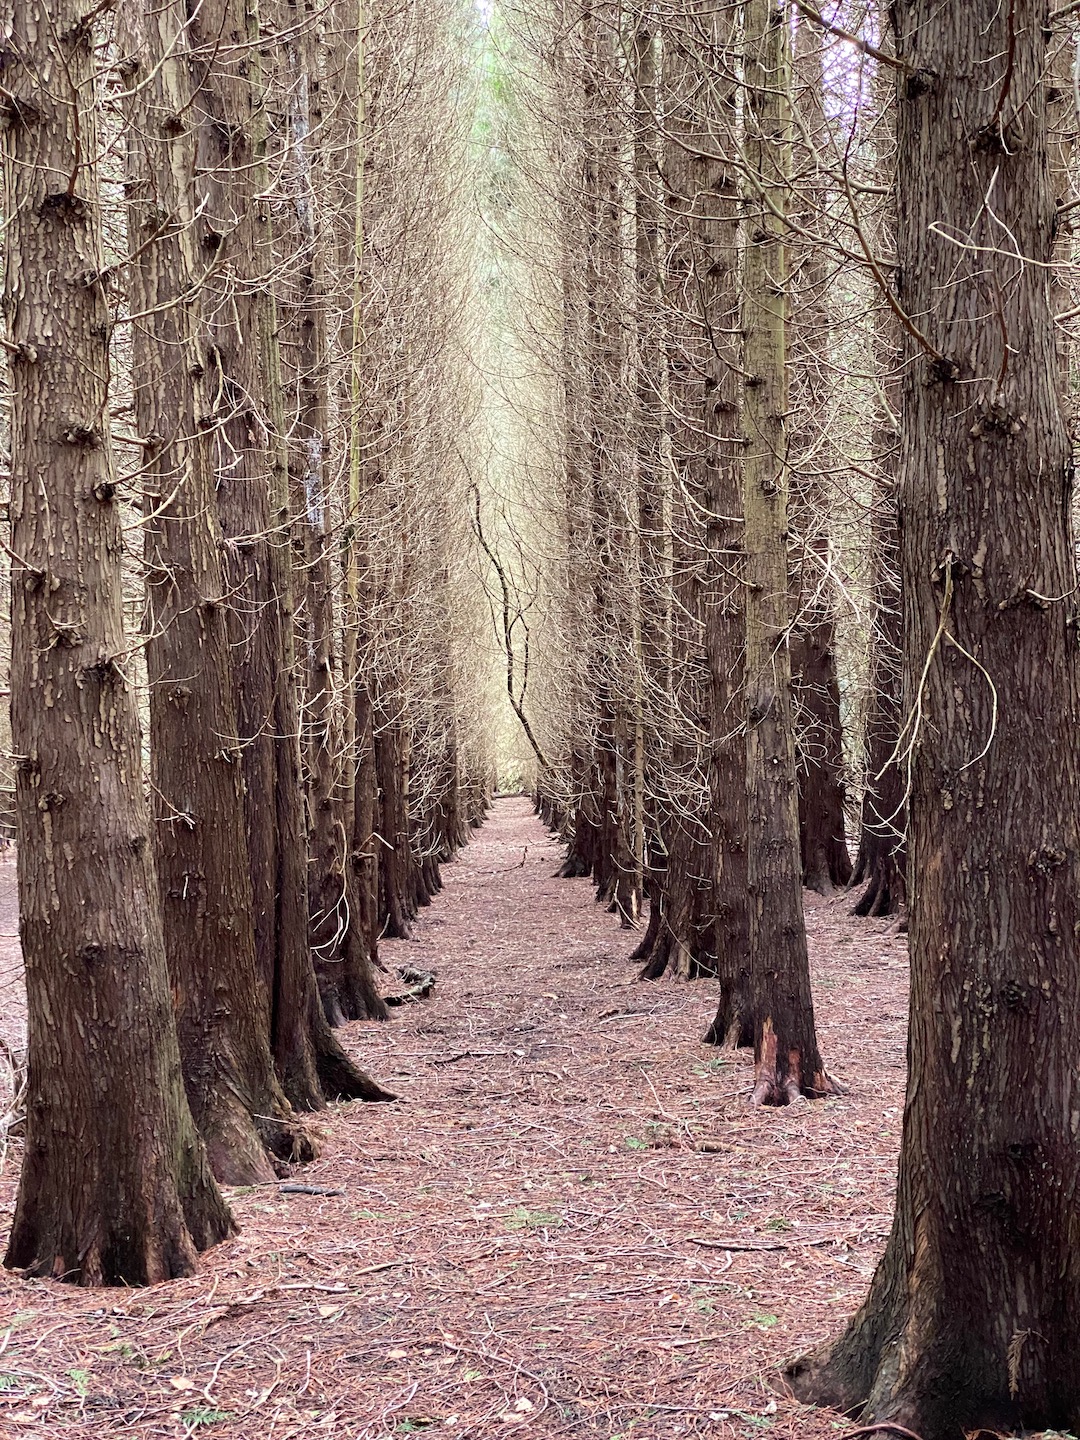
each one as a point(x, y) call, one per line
point(763, 1244)
point(467, 1055)
point(308, 1190)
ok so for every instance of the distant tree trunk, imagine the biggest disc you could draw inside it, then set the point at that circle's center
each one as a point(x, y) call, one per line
point(614, 870)
point(580, 818)
point(785, 1043)
point(253, 506)
point(971, 1320)
point(115, 1185)
point(653, 627)
point(366, 847)
point(826, 863)
point(584, 843)
point(451, 827)
point(725, 619)
point(200, 843)
point(392, 821)
point(347, 163)
point(881, 863)
point(819, 737)
point(880, 866)
point(685, 943)
point(339, 944)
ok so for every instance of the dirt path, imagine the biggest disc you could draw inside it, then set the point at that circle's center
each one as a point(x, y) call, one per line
point(532, 1239)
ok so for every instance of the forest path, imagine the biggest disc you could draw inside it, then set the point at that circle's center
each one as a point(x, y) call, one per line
point(532, 1238)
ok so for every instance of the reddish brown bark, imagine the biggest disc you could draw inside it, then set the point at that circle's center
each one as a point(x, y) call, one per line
point(882, 860)
point(200, 842)
point(115, 1185)
point(253, 508)
point(971, 1319)
point(339, 944)
point(788, 1063)
point(826, 863)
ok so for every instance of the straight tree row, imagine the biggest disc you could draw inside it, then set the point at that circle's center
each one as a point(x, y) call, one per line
point(229, 311)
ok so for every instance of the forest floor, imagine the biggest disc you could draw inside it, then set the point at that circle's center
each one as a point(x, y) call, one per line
point(572, 1224)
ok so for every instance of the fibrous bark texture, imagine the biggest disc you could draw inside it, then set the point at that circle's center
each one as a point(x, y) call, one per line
point(971, 1320)
point(785, 1043)
point(115, 1186)
point(199, 839)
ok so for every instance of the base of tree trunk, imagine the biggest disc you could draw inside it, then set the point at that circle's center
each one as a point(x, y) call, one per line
point(732, 1027)
point(242, 1149)
point(626, 903)
point(780, 1079)
point(825, 879)
point(367, 1003)
point(151, 1232)
point(340, 1077)
point(331, 1003)
point(574, 867)
point(285, 1140)
point(645, 945)
point(901, 1369)
point(357, 994)
point(396, 928)
point(885, 892)
point(658, 956)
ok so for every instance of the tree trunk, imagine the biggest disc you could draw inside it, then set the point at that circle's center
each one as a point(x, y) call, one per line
point(339, 945)
point(653, 618)
point(584, 844)
point(819, 739)
point(614, 871)
point(971, 1320)
point(200, 844)
point(687, 949)
point(880, 866)
point(785, 1043)
point(711, 140)
point(253, 506)
point(115, 1185)
point(881, 863)
point(396, 909)
point(826, 863)
point(578, 217)
point(365, 841)
point(347, 165)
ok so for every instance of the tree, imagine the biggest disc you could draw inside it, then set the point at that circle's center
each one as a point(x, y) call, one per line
point(608, 274)
point(597, 459)
point(115, 1185)
point(880, 866)
point(342, 948)
point(706, 916)
point(816, 688)
point(724, 622)
point(785, 1044)
point(347, 163)
point(685, 940)
point(652, 620)
point(240, 313)
point(971, 1317)
point(200, 844)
